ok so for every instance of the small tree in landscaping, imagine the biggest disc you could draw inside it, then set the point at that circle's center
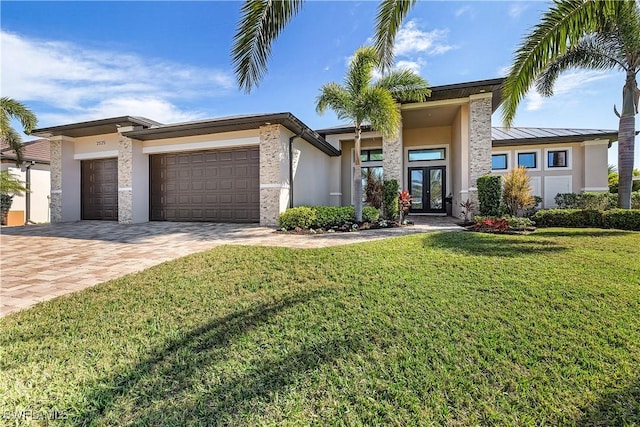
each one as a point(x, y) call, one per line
point(489, 188)
point(390, 199)
point(516, 194)
point(373, 188)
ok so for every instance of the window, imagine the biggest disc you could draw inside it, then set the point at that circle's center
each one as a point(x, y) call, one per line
point(528, 160)
point(371, 155)
point(426, 154)
point(371, 178)
point(557, 159)
point(499, 162)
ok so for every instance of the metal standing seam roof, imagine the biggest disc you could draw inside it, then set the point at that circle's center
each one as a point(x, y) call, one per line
point(530, 135)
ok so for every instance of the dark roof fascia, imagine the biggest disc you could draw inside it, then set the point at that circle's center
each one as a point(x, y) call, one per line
point(342, 129)
point(25, 159)
point(466, 89)
point(554, 139)
point(93, 127)
point(236, 123)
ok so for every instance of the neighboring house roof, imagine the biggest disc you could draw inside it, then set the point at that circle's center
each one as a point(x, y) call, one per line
point(94, 127)
point(526, 136)
point(37, 150)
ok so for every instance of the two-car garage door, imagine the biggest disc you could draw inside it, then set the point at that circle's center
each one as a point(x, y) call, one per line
point(213, 185)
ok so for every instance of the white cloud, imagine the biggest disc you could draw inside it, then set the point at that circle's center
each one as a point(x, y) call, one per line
point(516, 9)
point(571, 84)
point(414, 66)
point(465, 10)
point(504, 71)
point(83, 84)
point(410, 39)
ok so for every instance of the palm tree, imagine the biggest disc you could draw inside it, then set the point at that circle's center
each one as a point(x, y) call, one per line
point(362, 101)
point(263, 20)
point(592, 34)
point(10, 108)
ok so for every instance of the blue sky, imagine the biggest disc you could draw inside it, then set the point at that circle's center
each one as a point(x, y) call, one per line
point(170, 61)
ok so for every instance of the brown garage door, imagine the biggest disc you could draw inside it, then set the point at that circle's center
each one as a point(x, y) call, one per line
point(100, 189)
point(214, 185)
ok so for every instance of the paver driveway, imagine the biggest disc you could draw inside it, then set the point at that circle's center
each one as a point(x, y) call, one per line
point(38, 263)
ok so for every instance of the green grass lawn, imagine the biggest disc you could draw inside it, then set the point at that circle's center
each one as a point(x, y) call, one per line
point(435, 329)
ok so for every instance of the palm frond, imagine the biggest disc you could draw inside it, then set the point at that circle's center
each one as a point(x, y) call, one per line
point(405, 86)
point(259, 26)
point(561, 27)
point(378, 107)
point(391, 13)
point(596, 52)
point(12, 108)
point(336, 97)
point(360, 72)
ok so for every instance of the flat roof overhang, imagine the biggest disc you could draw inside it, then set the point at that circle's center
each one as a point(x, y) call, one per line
point(235, 123)
point(94, 127)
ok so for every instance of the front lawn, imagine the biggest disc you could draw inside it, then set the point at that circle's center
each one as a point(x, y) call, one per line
point(438, 329)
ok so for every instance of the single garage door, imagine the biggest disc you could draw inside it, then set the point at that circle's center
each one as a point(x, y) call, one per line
point(213, 185)
point(99, 184)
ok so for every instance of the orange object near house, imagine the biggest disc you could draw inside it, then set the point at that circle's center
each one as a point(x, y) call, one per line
point(15, 218)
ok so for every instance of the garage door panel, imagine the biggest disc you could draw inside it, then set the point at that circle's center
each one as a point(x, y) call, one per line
point(215, 185)
point(99, 189)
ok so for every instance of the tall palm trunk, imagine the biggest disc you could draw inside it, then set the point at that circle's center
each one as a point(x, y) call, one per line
point(357, 176)
point(626, 141)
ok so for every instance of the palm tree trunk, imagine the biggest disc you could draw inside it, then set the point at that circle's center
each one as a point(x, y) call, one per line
point(626, 141)
point(357, 176)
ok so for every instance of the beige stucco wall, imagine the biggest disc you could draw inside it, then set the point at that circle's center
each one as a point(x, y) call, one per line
point(439, 135)
point(203, 142)
point(585, 173)
point(96, 144)
point(40, 191)
point(455, 163)
point(311, 175)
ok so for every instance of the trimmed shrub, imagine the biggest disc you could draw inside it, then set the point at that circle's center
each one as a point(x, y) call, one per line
point(302, 216)
point(334, 216)
point(568, 218)
point(370, 214)
point(635, 200)
point(622, 219)
point(489, 189)
point(390, 199)
point(587, 200)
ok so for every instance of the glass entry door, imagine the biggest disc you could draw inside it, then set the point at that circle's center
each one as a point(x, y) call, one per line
point(427, 186)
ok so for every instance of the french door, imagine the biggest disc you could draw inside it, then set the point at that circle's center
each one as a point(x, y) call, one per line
point(427, 186)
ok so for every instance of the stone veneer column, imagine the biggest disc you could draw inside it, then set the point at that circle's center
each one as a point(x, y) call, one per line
point(56, 180)
point(125, 184)
point(479, 140)
point(273, 154)
point(392, 157)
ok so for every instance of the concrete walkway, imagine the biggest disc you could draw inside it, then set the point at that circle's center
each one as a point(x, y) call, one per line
point(41, 262)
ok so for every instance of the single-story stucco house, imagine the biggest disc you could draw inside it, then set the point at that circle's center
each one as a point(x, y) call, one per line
point(251, 168)
point(33, 173)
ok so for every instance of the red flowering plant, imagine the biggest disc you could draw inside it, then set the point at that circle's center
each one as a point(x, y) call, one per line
point(404, 203)
point(492, 225)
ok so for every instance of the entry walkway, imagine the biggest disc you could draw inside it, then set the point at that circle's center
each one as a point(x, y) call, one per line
point(41, 262)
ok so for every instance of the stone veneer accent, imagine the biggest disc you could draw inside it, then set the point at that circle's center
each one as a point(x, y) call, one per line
point(273, 153)
point(479, 141)
point(56, 180)
point(392, 157)
point(125, 182)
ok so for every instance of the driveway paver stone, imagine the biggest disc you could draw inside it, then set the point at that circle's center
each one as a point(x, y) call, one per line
point(41, 262)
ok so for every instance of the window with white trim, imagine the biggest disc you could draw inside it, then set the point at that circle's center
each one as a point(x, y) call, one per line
point(557, 159)
point(499, 162)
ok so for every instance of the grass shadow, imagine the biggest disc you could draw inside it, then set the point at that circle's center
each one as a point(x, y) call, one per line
point(492, 244)
point(618, 407)
point(151, 388)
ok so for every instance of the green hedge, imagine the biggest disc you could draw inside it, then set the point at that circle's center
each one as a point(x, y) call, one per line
point(623, 219)
point(587, 200)
point(489, 194)
point(324, 216)
point(635, 200)
point(390, 199)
